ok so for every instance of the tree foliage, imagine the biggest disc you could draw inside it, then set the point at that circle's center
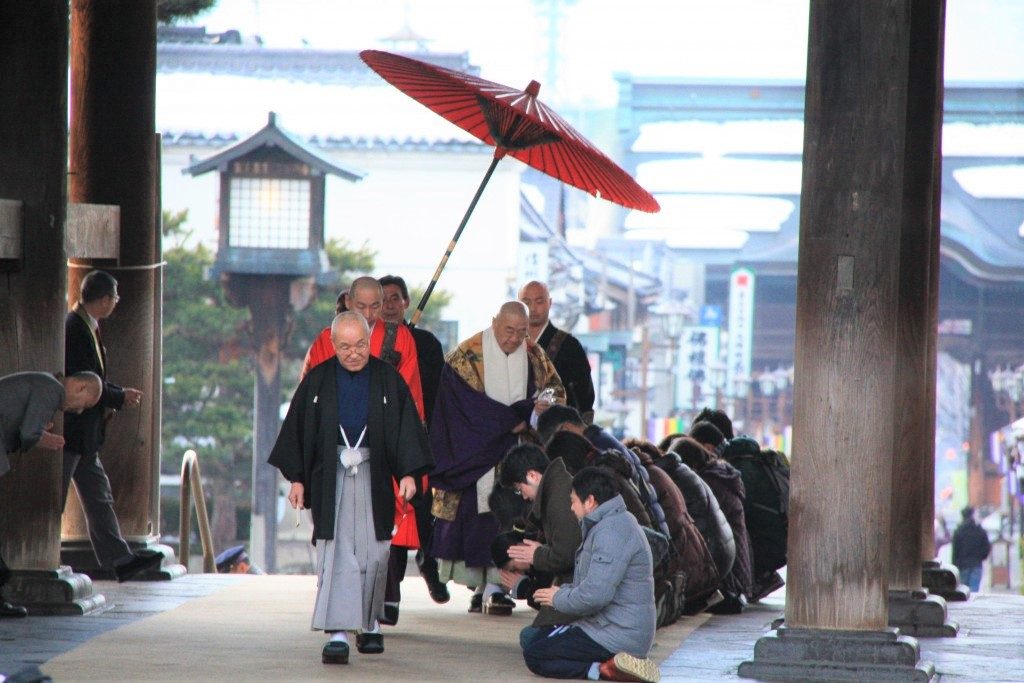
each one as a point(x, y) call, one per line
point(439, 298)
point(169, 11)
point(208, 385)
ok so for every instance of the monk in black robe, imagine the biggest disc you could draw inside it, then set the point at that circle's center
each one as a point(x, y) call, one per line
point(351, 429)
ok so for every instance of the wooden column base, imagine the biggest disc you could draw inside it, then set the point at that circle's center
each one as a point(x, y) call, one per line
point(943, 580)
point(56, 592)
point(916, 613)
point(806, 654)
point(78, 553)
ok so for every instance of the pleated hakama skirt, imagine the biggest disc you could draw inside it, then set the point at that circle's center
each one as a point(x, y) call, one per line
point(352, 568)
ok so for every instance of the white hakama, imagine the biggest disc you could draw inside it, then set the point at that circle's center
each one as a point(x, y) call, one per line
point(352, 569)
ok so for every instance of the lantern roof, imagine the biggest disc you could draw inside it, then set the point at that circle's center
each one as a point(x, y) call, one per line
point(273, 136)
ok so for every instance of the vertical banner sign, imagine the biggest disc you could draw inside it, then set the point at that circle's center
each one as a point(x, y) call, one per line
point(698, 349)
point(533, 263)
point(741, 328)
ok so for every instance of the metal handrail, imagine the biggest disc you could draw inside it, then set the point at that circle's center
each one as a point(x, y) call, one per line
point(192, 486)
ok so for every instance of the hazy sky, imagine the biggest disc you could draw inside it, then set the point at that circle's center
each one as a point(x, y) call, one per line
point(695, 38)
point(723, 38)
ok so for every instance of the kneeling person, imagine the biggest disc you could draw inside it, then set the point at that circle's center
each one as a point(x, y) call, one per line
point(351, 428)
point(552, 531)
point(612, 594)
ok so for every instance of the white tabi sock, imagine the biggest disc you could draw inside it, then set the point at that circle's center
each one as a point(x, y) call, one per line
point(375, 629)
point(339, 636)
point(490, 589)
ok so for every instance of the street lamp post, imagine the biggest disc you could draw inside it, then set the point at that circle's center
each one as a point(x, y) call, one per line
point(270, 257)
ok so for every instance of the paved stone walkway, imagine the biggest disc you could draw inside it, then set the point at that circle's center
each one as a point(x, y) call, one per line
point(990, 646)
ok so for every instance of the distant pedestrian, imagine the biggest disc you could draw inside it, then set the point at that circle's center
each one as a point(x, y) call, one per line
point(970, 548)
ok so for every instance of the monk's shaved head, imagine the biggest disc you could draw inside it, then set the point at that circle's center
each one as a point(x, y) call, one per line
point(515, 309)
point(538, 300)
point(534, 288)
point(366, 297)
point(511, 325)
point(364, 282)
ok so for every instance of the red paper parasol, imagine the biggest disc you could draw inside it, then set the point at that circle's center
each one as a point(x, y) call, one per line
point(517, 124)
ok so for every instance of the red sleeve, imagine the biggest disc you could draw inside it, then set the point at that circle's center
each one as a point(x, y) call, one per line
point(319, 351)
point(409, 367)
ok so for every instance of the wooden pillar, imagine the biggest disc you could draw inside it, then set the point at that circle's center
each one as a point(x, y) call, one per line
point(113, 160)
point(938, 578)
point(846, 391)
point(33, 164)
point(911, 608)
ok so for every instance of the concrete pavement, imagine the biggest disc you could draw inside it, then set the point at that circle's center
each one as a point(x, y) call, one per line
point(990, 646)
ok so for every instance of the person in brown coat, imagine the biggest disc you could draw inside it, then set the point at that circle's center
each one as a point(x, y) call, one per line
point(725, 482)
point(692, 558)
point(552, 533)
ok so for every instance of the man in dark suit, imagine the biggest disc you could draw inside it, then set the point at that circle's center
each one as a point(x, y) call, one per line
point(83, 433)
point(564, 350)
point(431, 361)
point(28, 401)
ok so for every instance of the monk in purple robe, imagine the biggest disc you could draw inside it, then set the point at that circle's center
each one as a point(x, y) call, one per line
point(493, 386)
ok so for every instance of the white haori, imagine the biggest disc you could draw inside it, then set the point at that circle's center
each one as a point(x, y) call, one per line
point(352, 568)
point(505, 378)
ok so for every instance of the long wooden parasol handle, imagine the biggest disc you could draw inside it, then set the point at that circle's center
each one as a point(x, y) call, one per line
point(498, 154)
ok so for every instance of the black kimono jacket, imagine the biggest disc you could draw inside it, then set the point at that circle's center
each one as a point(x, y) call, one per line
point(306, 450)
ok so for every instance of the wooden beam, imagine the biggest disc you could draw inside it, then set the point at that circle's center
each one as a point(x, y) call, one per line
point(93, 231)
point(10, 229)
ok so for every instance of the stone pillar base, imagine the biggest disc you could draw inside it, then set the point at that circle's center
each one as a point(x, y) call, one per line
point(916, 613)
point(53, 592)
point(943, 580)
point(806, 654)
point(78, 553)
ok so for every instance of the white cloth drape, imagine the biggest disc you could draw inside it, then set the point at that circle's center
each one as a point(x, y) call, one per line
point(505, 377)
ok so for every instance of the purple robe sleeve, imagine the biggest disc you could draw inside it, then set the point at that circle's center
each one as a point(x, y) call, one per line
point(469, 433)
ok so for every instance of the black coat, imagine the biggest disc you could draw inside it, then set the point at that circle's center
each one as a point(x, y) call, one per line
point(574, 370)
point(704, 509)
point(430, 358)
point(84, 432)
point(970, 545)
point(725, 483)
point(692, 554)
point(306, 450)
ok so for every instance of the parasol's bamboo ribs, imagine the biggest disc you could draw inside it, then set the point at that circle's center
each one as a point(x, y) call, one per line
point(498, 154)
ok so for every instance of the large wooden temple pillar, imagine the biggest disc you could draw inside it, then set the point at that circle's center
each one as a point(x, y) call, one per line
point(858, 186)
point(33, 167)
point(114, 160)
point(911, 608)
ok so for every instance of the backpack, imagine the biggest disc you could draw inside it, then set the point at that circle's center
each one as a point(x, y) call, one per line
point(765, 474)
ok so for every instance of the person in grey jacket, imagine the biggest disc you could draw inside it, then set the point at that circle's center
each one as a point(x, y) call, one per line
point(28, 401)
point(612, 594)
